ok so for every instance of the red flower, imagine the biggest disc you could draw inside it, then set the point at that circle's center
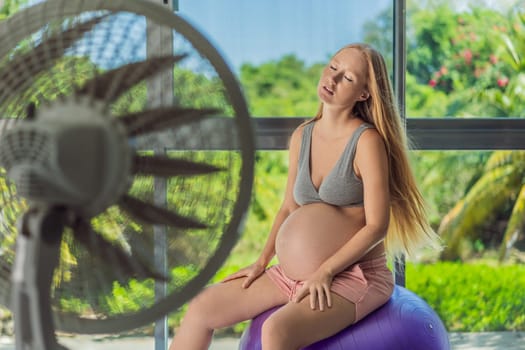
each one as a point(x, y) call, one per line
point(493, 59)
point(502, 82)
point(432, 82)
point(467, 55)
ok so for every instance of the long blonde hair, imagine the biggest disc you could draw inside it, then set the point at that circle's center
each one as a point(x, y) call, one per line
point(409, 228)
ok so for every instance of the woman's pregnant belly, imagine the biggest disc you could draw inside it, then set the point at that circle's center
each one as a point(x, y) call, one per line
point(310, 235)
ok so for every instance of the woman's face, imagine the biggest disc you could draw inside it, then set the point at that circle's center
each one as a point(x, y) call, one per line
point(344, 79)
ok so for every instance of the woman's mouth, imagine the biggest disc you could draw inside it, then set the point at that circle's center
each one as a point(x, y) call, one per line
point(327, 89)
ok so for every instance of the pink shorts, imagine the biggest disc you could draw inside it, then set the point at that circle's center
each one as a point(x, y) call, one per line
point(368, 284)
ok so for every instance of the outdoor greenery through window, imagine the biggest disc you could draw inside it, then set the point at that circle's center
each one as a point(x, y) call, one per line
point(465, 59)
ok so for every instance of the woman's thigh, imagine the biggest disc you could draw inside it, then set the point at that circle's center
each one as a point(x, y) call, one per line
point(228, 303)
point(297, 325)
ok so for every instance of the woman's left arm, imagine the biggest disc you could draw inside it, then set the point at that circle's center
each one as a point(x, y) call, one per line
point(371, 165)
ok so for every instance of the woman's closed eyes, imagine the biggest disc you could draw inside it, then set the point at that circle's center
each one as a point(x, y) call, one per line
point(334, 68)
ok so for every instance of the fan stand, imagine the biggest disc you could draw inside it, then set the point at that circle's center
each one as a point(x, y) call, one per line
point(37, 255)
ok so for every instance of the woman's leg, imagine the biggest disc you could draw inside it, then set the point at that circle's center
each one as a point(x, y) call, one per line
point(222, 305)
point(296, 325)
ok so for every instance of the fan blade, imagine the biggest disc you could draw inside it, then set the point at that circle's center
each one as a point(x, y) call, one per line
point(128, 265)
point(44, 55)
point(163, 118)
point(156, 215)
point(165, 167)
point(110, 85)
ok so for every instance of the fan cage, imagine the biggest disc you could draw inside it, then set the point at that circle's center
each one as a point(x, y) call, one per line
point(88, 292)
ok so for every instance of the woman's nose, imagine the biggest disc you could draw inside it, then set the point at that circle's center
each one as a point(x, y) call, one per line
point(332, 78)
point(335, 77)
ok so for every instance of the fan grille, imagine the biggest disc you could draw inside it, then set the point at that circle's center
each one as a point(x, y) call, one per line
point(87, 289)
point(26, 145)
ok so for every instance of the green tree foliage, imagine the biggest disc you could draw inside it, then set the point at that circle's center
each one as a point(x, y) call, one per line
point(281, 88)
point(507, 96)
point(458, 54)
point(422, 100)
point(431, 42)
point(380, 32)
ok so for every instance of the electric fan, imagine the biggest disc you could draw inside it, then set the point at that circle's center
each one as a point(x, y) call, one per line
point(126, 166)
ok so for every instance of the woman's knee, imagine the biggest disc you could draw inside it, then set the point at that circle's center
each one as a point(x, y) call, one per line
point(277, 334)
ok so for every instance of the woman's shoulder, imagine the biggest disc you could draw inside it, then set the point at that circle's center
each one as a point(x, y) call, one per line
point(297, 134)
point(299, 130)
point(295, 139)
point(369, 132)
point(370, 138)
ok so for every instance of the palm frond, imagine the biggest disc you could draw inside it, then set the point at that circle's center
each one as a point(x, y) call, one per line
point(514, 44)
point(484, 200)
point(513, 57)
point(503, 158)
point(515, 226)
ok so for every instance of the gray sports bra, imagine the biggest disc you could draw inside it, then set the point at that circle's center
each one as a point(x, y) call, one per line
point(341, 187)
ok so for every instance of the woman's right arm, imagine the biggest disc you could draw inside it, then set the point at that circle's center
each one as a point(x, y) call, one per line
point(288, 206)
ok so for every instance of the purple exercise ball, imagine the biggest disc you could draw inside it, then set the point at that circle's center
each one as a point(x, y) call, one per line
point(405, 322)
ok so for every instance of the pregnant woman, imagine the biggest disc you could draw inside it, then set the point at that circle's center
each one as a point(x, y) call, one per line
point(350, 200)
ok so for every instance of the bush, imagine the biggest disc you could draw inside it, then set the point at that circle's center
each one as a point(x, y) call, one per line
point(472, 297)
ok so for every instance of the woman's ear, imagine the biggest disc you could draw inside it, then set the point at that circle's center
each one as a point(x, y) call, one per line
point(364, 96)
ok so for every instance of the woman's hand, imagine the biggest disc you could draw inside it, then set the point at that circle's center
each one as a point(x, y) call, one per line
point(251, 273)
point(318, 286)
